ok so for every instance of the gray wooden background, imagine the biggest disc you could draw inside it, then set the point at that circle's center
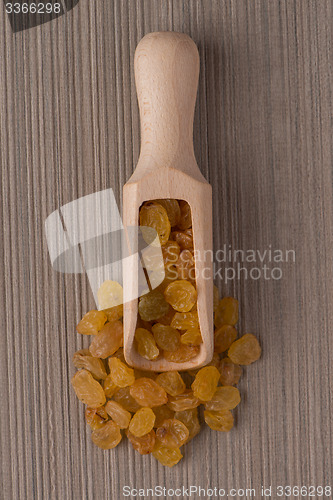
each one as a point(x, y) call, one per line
point(263, 137)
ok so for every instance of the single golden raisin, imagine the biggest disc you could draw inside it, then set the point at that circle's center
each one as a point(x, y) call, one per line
point(190, 419)
point(245, 350)
point(83, 359)
point(87, 389)
point(120, 373)
point(185, 215)
point(91, 323)
point(205, 383)
point(226, 397)
point(170, 252)
point(114, 313)
point(185, 241)
point(165, 455)
point(172, 433)
point(123, 396)
point(181, 295)
point(118, 414)
point(166, 337)
point(230, 372)
point(191, 337)
point(171, 382)
point(185, 266)
point(162, 413)
point(110, 294)
point(216, 297)
point(95, 417)
point(142, 422)
point(110, 388)
point(144, 444)
point(148, 393)
point(108, 436)
point(184, 401)
point(226, 312)
point(108, 340)
point(153, 305)
point(182, 354)
point(173, 210)
point(153, 215)
point(185, 321)
point(146, 344)
point(222, 420)
point(224, 337)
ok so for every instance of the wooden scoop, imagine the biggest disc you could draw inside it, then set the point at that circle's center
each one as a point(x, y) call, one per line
point(166, 68)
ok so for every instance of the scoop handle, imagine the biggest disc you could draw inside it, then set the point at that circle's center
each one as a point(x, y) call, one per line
point(166, 67)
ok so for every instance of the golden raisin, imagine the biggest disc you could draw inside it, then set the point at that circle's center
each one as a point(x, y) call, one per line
point(185, 215)
point(185, 321)
point(166, 337)
point(225, 398)
point(148, 393)
point(165, 455)
point(184, 241)
point(222, 420)
point(83, 359)
point(162, 413)
point(95, 417)
point(153, 215)
point(91, 323)
point(144, 444)
point(226, 312)
point(173, 210)
point(190, 419)
point(205, 383)
point(142, 422)
point(172, 433)
point(153, 305)
point(182, 354)
point(171, 382)
point(245, 350)
point(184, 401)
point(121, 374)
point(224, 337)
point(118, 414)
point(110, 294)
point(181, 295)
point(123, 396)
point(87, 389)
point(146, 344)
point(108, 436)
point(191, 337)
point(108, 340)
point(230, 372)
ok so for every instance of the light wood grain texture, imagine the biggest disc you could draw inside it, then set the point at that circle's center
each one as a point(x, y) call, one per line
point(69, 126)
point(166, 67)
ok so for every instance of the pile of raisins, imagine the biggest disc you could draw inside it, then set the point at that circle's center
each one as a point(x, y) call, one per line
point(168, 325)
point(160, 412)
